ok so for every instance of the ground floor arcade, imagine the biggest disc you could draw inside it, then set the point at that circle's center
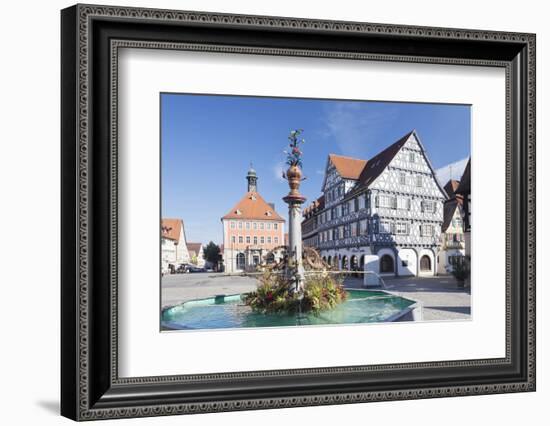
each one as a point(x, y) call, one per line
point(386, 261)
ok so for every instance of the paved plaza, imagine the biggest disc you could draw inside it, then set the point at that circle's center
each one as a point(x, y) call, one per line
point(439, 296)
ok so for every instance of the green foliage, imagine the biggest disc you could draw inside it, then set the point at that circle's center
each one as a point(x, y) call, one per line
point(461, 270)
point(212, 253)
point(321, 292)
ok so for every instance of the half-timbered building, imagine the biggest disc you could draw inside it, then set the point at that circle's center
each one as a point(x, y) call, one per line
point(383, 214)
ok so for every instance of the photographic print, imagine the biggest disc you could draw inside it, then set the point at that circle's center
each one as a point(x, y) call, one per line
point(281, 212)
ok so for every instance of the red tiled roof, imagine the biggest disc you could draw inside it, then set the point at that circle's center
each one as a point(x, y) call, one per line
point(194, 248)
point(253, 206)
point(317, 205)
point(171, 228)
point(347, 167)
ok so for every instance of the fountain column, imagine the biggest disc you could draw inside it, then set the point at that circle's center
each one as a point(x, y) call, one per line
point(295, 267)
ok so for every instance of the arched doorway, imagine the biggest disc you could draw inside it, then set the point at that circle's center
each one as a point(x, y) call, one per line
point(345, 265)
point(425, 263)
point(270, 258)
point(329, 261)
point(386, 264)
point(354, 265)
point(240, 261)
point(362, 263)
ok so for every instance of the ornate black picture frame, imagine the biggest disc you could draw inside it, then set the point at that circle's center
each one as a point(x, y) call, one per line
point(91, 387)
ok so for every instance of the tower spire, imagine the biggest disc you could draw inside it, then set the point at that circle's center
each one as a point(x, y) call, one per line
point(252, 179)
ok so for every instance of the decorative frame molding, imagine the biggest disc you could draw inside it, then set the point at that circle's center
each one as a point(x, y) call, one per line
point(91, 37)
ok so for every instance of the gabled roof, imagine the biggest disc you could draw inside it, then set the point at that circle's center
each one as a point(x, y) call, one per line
point(377, 164)
point(171, 228)
point(380, 161)
point(347, 167)
point(449, 209)
point(253, 206)
point(464, 187)
point(450, 187)
point(194, 248)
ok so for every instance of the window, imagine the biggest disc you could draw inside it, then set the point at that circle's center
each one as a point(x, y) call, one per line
point(268, 226)
point(403, 203)
point(268, 240)
point(402, 178)
point(363, 227)
point(386, 201)
point(262, 240)
point(341, 232)
point(254, 225)
point(247, 240)
point(412, 157)
point(240, 225)
point(240, 239)
point(356, 204)
point(232, 225)
point(247, 225)
point(427, 230)
point(402, 228)
point(276, 240)
point(386, 227)
point(261, 225)
point(428, 206)
point(255, 241)
point(419, 181)
point(275, 226)
point(354, 228)
point(233, 239)
point(344, 209)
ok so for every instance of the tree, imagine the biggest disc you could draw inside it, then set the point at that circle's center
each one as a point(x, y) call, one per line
point(461, 270)
point(212, 253)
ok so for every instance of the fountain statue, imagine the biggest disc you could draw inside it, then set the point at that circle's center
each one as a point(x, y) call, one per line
point(294, 267)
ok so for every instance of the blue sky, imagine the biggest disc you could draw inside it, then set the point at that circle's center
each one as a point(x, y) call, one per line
point(208, 143)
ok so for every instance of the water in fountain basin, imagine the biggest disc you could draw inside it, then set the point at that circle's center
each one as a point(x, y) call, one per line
point(230, 312)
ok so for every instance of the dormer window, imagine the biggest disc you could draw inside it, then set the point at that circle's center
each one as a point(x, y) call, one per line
point(253, 198)
point(238, 212)
point(268, 213)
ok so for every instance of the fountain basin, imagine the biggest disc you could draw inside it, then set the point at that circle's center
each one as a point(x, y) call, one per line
point(361, 306)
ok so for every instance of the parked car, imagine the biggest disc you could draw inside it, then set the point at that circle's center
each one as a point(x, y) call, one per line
point(182, 269)
point(193, 268)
